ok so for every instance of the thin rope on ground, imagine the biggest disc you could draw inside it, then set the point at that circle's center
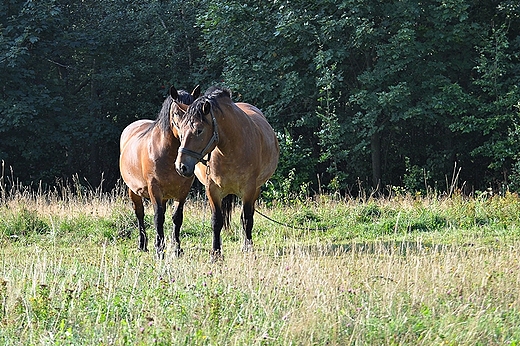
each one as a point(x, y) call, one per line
point(293, 226)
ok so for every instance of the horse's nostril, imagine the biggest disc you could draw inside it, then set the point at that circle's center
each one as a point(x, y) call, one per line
point(183, 170)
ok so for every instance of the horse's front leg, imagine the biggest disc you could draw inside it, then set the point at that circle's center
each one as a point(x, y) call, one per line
point(159, 209)
point(137, 202)
point(177, 218)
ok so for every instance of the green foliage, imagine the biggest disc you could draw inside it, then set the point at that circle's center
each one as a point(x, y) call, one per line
point(495, 120)
point(22, 223)
point(78, 73)
point(415, 178)
point(359, 92)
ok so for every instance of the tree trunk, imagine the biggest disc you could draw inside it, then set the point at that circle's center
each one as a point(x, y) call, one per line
point(94, 150)
point(375, 147)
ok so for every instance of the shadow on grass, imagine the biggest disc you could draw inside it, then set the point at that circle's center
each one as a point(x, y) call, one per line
point(395, 248)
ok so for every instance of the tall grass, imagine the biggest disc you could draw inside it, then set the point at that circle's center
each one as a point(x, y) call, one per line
point(406, 270)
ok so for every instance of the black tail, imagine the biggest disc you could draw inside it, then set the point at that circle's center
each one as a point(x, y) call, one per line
point(227, 207)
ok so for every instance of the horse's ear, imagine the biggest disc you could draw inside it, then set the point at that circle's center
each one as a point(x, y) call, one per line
point(173, 92)
point(196, 92)
point(206, 108)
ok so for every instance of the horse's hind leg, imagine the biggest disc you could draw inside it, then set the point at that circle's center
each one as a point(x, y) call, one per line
point(216, 224)
point(137, 202)
point(248, 211)
point(177, 218)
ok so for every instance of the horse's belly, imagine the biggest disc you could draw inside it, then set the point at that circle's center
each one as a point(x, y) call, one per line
point(131, 170)
point(135, 182)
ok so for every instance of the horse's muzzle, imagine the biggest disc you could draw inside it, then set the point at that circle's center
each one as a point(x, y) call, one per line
point(185, 170)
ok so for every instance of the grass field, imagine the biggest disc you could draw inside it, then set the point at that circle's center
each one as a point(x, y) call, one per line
point(402, 271)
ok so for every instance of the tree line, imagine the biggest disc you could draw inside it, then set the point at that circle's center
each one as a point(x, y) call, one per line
point(361, 93)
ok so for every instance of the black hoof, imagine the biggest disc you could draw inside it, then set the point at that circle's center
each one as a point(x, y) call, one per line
point(248, 246)
point(216, 256)
point(178, 252)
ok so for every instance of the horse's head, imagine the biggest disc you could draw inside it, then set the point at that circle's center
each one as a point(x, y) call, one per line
point(179, 106)
point(198, 134)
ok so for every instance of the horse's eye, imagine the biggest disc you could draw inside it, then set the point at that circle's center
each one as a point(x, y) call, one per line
point(198, 132)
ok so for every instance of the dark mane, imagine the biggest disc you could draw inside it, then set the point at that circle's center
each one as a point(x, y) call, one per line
point(163, 118)
point(217, 91)
point(211, 95)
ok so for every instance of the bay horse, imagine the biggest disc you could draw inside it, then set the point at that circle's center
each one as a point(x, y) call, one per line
point(147, 164)
point(232, 150)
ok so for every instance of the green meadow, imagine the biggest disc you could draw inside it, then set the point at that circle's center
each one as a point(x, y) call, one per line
point(405, 270)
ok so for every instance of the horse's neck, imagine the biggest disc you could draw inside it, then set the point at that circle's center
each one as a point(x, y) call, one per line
point(165, 140)
point(231, 128)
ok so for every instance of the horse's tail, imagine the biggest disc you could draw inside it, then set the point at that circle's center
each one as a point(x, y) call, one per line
point(227, 207)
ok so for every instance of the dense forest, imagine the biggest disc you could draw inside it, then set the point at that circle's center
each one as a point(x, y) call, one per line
point(361, 93)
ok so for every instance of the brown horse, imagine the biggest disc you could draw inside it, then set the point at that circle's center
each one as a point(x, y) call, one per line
point(232, 150)
point(147, 163)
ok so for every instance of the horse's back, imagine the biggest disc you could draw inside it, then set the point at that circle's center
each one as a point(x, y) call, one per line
point(270, 150)
point(133, 132)
point(260, 122)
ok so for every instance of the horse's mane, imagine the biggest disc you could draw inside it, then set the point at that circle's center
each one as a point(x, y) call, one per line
point(212, 95)
point(163, 118)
